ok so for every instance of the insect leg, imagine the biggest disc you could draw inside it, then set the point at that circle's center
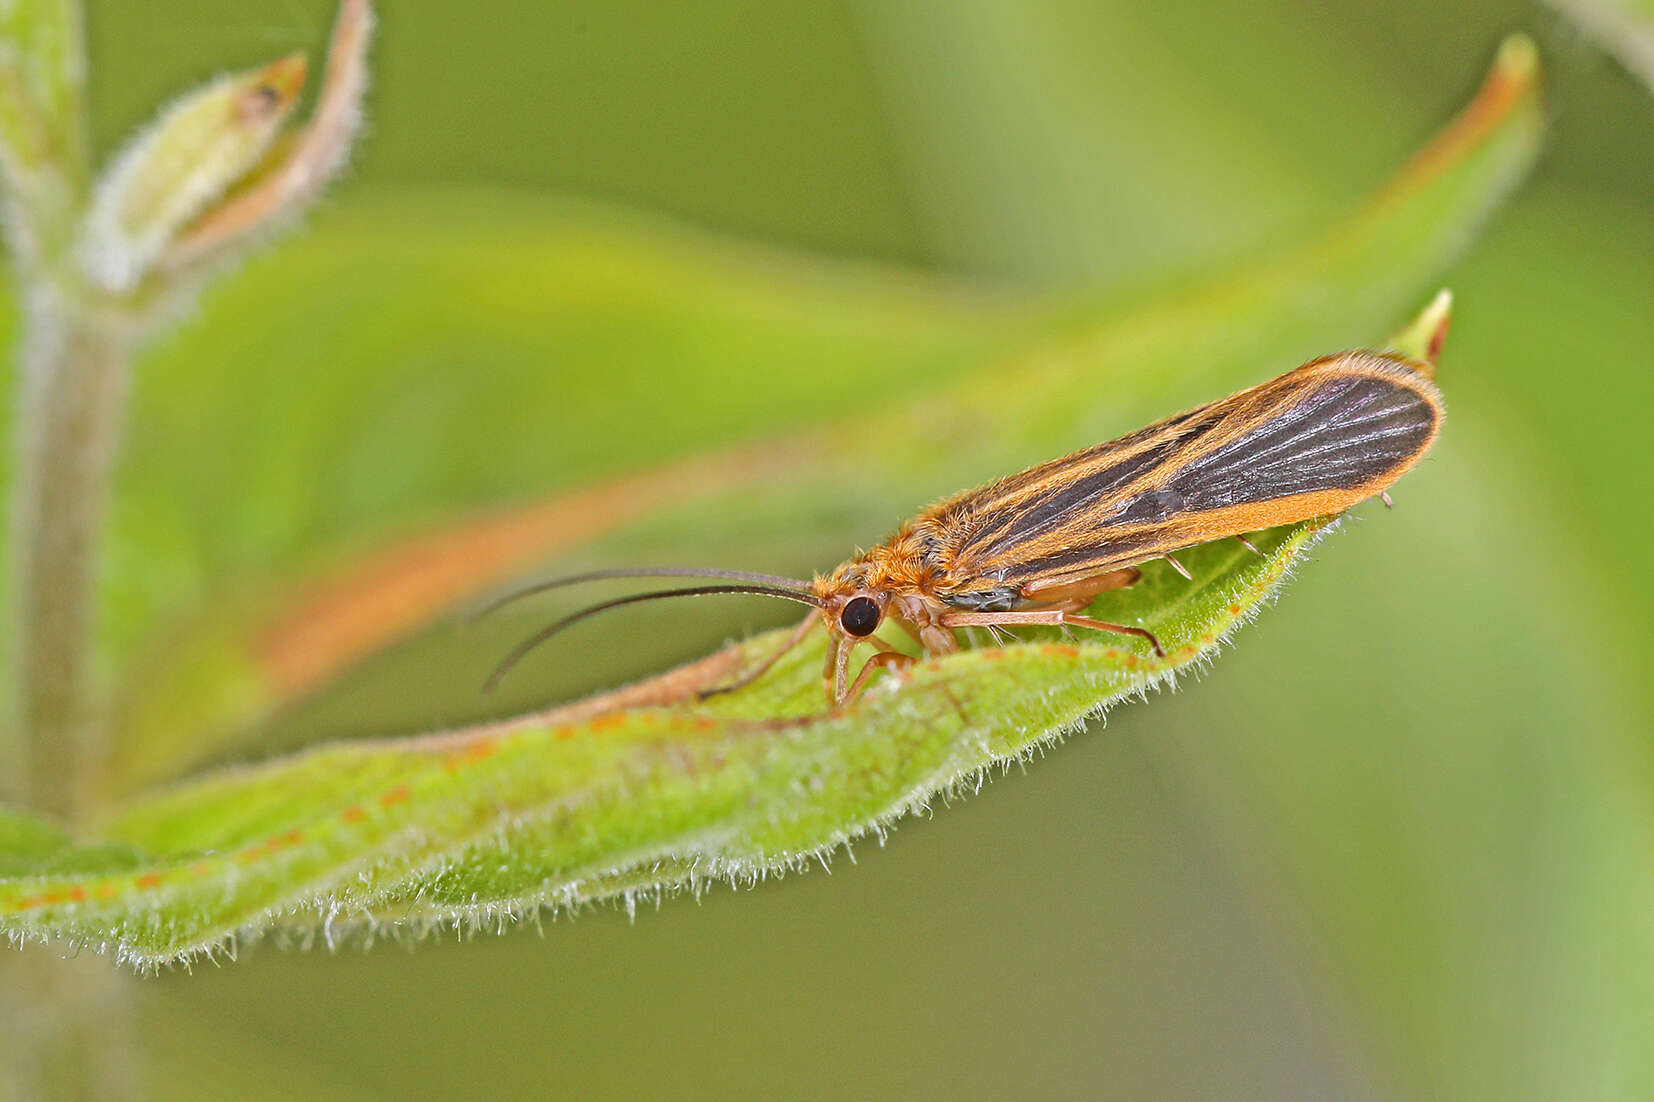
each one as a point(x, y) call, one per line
point(1180, 568)
point(1050, 617)
point(763, 667)
point(892, 658)
point(1080, 591)
point(1118, 629)
point(907, 627)
point(838, 665)
point(1249, 545)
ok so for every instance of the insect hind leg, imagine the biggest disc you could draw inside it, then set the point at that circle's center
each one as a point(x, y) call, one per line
point(1118, 629)
point(1049, 617)
point(1078, 592)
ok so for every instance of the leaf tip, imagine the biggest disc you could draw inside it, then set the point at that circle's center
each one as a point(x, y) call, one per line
point(1422, 338)
point(1517, 60)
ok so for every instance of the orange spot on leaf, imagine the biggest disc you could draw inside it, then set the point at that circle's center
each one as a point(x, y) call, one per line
point(354, 814)
point(395, 796)
point(149, 880)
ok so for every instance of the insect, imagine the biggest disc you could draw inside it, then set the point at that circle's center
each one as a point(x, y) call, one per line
point(1039, 546)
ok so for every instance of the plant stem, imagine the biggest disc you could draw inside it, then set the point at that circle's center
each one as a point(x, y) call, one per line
point(74, 380)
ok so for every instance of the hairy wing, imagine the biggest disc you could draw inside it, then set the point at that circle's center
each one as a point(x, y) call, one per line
point(1311, 443)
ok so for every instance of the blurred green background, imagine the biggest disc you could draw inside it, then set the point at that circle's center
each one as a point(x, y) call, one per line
point(1396, 844)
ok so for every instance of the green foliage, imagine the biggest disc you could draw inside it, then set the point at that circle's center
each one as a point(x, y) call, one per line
point(476, 827)
point(642, 793)
point(1395, 844)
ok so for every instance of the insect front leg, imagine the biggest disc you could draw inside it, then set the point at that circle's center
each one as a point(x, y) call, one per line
point(838, 666)
point(763, 667)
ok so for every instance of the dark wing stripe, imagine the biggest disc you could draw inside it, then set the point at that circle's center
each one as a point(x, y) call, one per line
point(1321, 453)
point(1287, 435)
point(1314, 405)
point(1010, 497)
point(1374, 443)
point(1042, 513)
point(1374, 433)
point(1332, 431)
point(1077, 560)
point(1049, 510)
point(1291, 446)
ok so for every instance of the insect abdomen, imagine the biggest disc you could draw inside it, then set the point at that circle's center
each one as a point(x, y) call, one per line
point(997, 599)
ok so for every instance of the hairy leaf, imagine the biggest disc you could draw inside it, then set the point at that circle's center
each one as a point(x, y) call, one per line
point(645, 791)
point(1093, 373)
point(572, 807)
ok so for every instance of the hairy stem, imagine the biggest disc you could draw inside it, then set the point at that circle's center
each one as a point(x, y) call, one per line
point(74, 378)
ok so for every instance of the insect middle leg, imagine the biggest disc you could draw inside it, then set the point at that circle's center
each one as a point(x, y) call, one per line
point(894, 659)
point(842, 693)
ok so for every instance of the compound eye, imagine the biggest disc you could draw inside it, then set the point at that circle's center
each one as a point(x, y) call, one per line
point(860, 616)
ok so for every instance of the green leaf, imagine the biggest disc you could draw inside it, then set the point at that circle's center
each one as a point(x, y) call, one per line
point(26, 843)
point(979, 412)
point(528, 357)
point(640, 792)
point(560, 810)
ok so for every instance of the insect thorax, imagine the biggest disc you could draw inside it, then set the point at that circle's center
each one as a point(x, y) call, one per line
point(917, 563)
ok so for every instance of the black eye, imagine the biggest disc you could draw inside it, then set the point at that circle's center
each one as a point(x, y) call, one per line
point(860, 616)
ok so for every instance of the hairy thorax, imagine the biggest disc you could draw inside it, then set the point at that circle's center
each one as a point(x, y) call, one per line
point(912, 576)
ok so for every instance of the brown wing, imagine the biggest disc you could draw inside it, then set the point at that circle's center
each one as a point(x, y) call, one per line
point(1311, 443)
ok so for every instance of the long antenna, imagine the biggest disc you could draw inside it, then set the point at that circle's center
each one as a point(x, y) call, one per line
point(522, 650)
point(515, 595)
